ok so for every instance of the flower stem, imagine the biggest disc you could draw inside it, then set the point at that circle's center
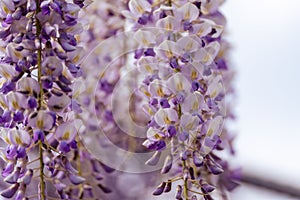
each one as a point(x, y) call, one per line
point(185, 184)
point(42, 182)
point(79, 168)
point(40, 97)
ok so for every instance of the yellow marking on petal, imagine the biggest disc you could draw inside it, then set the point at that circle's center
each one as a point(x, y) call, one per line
point(76, 59)
point(66, 135)
point(145, 42)
point(179, 86)
point(6, 10)
point(157, 136)
point(7, 140)
point(65, 73)
point(189, 126)
point(147, 94)
point(18, 55)
point(169, 54)
point(6, 75)
point(195, 105)
point(214, 94)
point(40, 123)
point(160, 92)
point(169, 26)
point(76, 95)
point(209, 132)
point(148, 68)
point(90, 90)
point(167, 120)
point(19, 141)
point(28, 89)
point(189, 46)
point(150, 111)
point(194, 75)
point(140, 8)
point(205, 11)
point(3, 105)
point(77, 37)
point(200, 32)
point(15, 105)
point(206, 58)
point(187, 15)
point(49, 72)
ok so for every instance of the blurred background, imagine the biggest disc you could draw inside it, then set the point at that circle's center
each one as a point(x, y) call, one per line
point(266, 51)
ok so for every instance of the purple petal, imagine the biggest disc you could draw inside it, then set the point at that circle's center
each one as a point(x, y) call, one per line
point(171, 131)
point(168, 187)
point(32, 103)
point(26, 179)
point(75, 179)
point(13, 178)
point(8, 169)
point(18, 116)
point(21, 152)
point(64, 147)
point(38, 135)
point(178, 192)
point(11, 191)
point(197, 159)
point(104, 189)
point(154, 159)
point(167, 165)
point(164, 103)
point(206, 188)
point(160, 189)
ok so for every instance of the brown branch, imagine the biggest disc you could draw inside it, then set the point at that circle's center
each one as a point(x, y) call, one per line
point(271, 185)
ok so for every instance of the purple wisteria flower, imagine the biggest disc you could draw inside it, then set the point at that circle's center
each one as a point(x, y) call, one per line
point(58, 91)
point(184, 90)
point(39, 65)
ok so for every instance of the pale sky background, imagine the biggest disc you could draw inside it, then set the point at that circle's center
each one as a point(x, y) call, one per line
point(265, 36)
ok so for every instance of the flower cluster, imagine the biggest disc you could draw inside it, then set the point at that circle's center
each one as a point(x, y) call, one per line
point(39, 64)
point(180, 56)
point(64, 80)
point(102, 71)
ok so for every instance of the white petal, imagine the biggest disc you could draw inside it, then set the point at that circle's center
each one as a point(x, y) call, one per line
point(29, 85)
point(138, 7)
point(188, 12)
point(16, 100)
point(19, 137)
point(165, 116)
point(58, 103)
point(202, 29)
point(78, 88)
point(178, 83)
point(168, 23)
point(66, 131)
point(216, 86)
point(153, 135)
point(188, 44)
point(189, 122)
point(42, 120)
point(159, 88)
point(147, 65)
point(7, 71)
point(169, 49)
point(144, 38)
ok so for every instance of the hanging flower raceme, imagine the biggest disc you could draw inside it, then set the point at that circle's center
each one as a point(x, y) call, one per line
point(39, 65)
point(57, 87)
point(180, 49)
